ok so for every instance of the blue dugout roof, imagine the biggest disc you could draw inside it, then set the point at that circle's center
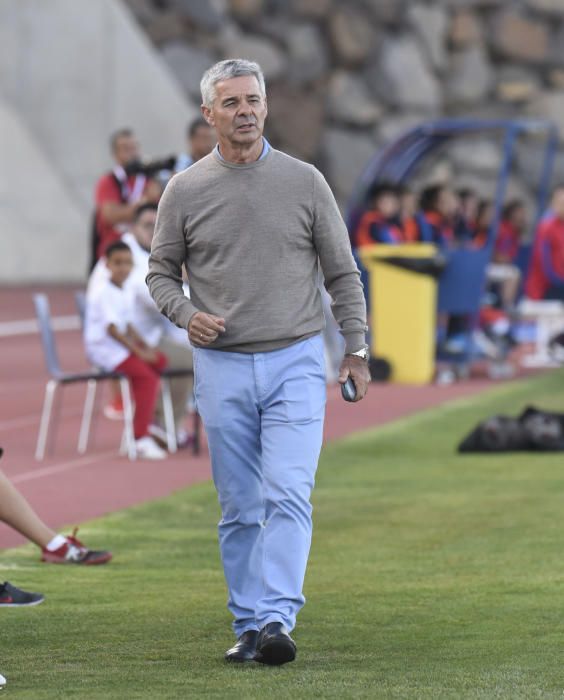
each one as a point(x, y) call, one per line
point(396, 162)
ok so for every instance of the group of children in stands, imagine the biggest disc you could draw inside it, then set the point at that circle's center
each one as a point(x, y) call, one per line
point(462, 220)
point(450, 219)
point(440, 216)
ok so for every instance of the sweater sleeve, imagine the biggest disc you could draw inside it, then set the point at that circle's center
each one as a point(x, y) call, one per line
point(342, 278)
point(168, 252)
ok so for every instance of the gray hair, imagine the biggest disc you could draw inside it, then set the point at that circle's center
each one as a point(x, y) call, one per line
point(225, 70)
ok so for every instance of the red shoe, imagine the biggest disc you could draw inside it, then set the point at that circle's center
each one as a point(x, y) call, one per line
point(74, 552)
point(114, 410)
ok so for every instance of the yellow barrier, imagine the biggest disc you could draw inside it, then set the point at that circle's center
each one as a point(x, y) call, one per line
point(403, 310)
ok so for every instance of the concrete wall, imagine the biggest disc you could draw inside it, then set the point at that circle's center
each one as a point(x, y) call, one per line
point(72, 71)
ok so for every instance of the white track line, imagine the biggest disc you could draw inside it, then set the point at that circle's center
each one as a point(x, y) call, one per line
point(62, 467)
point(22, 422)
point(34, 418)
point(10, 329)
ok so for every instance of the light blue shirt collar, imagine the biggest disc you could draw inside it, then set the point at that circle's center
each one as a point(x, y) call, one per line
point(265, 149)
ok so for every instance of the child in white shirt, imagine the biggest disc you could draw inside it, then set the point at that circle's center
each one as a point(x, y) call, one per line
point(113, 344)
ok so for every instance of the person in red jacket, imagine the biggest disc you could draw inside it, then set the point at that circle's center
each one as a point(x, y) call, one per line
point(546, 273)
point(119, 193)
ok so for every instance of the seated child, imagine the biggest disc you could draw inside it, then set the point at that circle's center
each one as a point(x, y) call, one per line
point(380, 223)
point(437, 208)
point(113, 344)
point(501, 271)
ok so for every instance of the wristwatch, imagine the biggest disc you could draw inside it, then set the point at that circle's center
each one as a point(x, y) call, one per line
point(362, 353)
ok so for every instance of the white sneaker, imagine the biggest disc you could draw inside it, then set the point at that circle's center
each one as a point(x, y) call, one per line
point(147, 448)
point(159, 434)
point(2, 681)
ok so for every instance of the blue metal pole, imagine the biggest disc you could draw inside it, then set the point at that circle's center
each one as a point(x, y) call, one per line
point(546, 174)
point(508, 150)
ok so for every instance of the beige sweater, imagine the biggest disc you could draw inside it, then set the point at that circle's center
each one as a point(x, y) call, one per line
point(252, 237)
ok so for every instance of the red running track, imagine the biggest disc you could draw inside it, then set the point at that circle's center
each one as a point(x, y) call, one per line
point(68, 488)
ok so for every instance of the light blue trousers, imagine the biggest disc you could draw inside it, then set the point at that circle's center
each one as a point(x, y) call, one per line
point(263, 414)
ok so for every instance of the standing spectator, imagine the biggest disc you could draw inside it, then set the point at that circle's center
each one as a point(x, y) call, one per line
point(437, 207)
point(113, 344)
point(156, 330)
point(200, 139)
point(546, 273)
point(119, 193)
point(255, 319)
point(380, 223)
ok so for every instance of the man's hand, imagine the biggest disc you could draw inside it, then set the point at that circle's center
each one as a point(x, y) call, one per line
point(357, 369)
point(203, 328)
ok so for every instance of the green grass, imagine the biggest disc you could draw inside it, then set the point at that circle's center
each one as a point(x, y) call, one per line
point(432, 575)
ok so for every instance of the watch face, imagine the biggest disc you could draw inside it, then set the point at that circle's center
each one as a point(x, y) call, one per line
point(362, 353)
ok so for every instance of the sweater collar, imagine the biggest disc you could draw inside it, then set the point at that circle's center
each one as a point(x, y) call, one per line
point(266, 148)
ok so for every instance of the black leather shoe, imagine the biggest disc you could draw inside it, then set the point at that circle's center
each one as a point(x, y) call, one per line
point(274, 645)
point(245, 648)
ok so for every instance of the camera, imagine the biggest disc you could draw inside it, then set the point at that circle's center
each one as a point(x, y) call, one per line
point(150, 168)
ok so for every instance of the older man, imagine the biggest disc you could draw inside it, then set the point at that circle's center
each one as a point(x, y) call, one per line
point(252, 225)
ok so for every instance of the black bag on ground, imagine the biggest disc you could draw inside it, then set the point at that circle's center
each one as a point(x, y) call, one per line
point(533, 430)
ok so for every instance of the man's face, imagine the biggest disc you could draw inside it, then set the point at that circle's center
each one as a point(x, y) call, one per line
point(144, 228)
point(202, 142)
point(119, 264)
point(126, 150)
point(238, 111)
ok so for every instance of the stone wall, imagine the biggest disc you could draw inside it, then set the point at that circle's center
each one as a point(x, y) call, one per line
point(344, 77)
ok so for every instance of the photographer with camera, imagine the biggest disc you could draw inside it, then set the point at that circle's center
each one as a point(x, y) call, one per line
point(119, 193)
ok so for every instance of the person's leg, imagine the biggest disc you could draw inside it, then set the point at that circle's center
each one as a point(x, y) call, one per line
point(144, 387)
point(226, 400)
point(292, 432)
point(16, 512)
point(179, 357)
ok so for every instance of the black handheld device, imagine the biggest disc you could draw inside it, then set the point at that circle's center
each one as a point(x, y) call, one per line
point(348, 390)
